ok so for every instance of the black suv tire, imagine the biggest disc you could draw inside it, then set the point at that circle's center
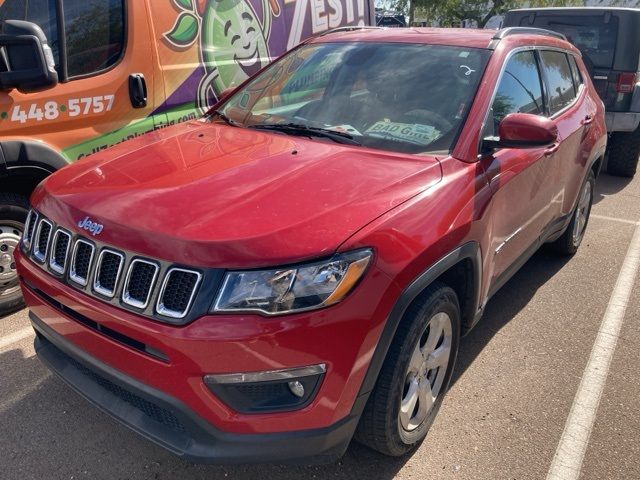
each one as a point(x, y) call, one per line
point(624, 149)
point(570, 240)
point(381, 425)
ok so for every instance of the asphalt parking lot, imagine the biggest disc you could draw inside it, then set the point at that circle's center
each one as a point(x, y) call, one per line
point(504, 417)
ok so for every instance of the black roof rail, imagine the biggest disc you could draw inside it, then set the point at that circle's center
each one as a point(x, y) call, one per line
point(505, 32)
point(349, 28)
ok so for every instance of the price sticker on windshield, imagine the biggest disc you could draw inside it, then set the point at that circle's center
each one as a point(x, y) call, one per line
point(404, 132)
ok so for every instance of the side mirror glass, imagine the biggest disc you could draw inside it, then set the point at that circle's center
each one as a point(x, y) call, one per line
point(28, 63)
point(522, 130)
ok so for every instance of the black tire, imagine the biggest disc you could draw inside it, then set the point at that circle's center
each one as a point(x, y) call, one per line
point(624, 150)
point(380, 427)
point(13, 213)
point(569, 243)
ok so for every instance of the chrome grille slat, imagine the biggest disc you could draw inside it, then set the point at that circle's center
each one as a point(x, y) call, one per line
point(108, 271)
point(81, 262)
point(59, 251)
point(30, 225)
point(177, 292)
point(41, 243)
point(152, 288)
point(139, 283)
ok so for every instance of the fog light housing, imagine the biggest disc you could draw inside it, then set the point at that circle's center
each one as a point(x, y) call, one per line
point(268, 391)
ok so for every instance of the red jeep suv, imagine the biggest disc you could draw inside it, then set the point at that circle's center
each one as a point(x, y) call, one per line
point(297, 267)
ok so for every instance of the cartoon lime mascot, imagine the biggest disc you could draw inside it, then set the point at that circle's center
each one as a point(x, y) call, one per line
point(233, 42)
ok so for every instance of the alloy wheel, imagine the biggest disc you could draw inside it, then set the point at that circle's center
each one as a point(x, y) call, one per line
point(10, 233)
point(582, 214)
point(426, 372)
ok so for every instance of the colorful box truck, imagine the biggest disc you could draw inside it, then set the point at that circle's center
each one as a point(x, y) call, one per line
point(78, 76)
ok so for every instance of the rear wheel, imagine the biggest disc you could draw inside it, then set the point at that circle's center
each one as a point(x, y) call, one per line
point(572, 237)
point(415, 375)
point(624, 149)
point(13, 213)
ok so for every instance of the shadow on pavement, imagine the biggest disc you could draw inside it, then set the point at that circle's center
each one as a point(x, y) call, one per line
point(506, 304)
point(608, 185)
point(49, 431)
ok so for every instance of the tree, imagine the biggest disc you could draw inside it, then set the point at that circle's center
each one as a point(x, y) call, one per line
point(453, 12)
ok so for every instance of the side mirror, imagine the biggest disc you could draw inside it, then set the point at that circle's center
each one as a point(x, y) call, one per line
point(522, 130)
point(28, 60)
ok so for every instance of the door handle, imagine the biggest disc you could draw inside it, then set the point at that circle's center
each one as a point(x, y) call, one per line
point(552, 149)
point(137, 90)
point(587, 120)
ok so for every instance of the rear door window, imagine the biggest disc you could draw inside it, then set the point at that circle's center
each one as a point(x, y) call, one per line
point(520, 89)
point(559, 79)
point(575, 71)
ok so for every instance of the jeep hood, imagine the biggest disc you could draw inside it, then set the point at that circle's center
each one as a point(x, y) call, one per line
point(218, 196)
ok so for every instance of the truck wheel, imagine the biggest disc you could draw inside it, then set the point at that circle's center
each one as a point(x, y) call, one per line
point(415, 375)
point(13, 213)
point(572, 237)
point(624, 150)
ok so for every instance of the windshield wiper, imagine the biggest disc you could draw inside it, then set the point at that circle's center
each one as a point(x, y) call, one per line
point(224, 118)
point(299, 129)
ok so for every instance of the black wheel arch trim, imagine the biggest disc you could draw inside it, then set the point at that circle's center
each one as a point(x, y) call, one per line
point(468, 251)
point(29, 154)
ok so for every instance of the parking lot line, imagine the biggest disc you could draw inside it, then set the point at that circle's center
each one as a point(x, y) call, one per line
point(16, 337)
point(614, 219)
point(569, 455)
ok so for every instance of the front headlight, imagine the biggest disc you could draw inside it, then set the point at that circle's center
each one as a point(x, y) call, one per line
point(286, 290)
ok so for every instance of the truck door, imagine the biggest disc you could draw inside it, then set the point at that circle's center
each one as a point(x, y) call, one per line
point(103, 53)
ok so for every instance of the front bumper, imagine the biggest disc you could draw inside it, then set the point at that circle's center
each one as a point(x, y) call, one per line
point(164, 365)
point(168, 422)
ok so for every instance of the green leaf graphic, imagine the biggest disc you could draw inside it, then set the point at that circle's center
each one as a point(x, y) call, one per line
point(185, 30)
point(184, 4)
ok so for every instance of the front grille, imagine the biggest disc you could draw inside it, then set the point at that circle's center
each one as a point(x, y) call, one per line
point(150, 287)
point(59, 251)
point(81, 262)
point(30, 225)
point(108, 272)
point(42, 240)
point(140, 279)
point(177, 292)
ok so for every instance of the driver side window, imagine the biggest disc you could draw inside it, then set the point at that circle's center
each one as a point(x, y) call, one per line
point(519, 91)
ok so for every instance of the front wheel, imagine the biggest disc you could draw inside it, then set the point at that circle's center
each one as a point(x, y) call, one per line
point(572, 237)
point(13, 213)
point(415, 375)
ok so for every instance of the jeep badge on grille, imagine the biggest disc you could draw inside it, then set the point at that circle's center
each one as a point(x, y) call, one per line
point(92, 227)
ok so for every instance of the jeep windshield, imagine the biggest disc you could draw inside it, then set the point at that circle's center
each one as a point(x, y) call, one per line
point(409, 98)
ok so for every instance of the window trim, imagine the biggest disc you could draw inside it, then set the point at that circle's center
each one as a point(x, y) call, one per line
point(63, 44)
point(503, 67)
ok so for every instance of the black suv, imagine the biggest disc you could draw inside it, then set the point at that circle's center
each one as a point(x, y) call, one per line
point(609, 39)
